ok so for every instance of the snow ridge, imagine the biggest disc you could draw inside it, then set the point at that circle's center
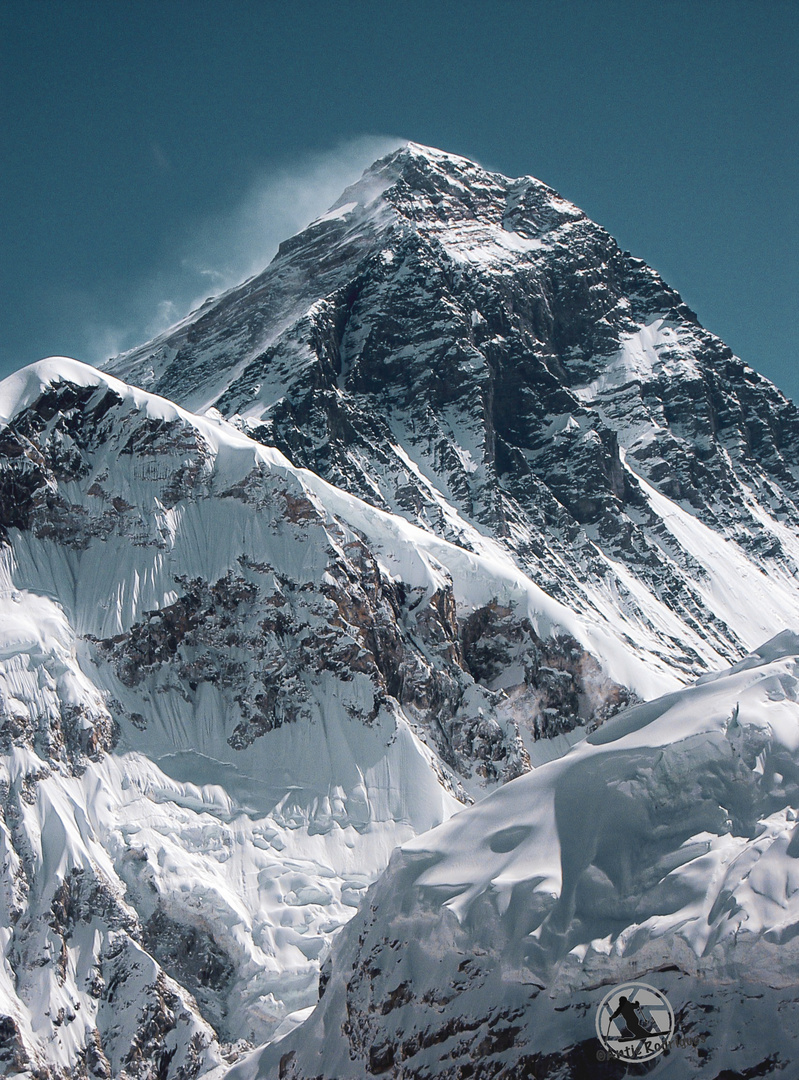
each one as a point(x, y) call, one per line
point(490, 941)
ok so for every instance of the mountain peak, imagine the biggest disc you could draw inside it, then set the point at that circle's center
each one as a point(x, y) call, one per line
point(412, 160)
point(417, 155)
point(476, 214)
point(419, 152)
point(422, 167)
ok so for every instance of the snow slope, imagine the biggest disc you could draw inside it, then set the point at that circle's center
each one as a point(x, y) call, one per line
point(228, 691)
point(662, 848)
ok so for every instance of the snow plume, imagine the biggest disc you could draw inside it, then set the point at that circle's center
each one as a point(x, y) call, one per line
point(219, 251)
point(229, 248)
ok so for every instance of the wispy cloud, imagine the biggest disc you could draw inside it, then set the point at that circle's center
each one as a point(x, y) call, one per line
point(219, 252)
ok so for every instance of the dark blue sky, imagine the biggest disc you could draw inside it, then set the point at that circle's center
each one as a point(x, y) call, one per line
point(154, 152)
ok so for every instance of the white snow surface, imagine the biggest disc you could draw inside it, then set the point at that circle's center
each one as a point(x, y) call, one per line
point(664, 848)
point(640, 358)
point(742, 726)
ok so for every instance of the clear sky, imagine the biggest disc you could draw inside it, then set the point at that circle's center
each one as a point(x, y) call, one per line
point(155, 151)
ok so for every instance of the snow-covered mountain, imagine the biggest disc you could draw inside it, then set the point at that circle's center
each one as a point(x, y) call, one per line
point(447, 486)
point(487, 946)
point(227, 691)
point(205, 755)
point(475, 354)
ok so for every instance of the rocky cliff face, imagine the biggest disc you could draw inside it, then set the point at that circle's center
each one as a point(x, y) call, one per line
point(473, 353)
